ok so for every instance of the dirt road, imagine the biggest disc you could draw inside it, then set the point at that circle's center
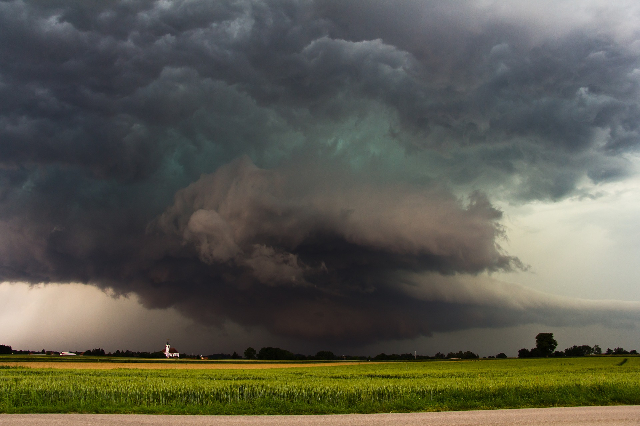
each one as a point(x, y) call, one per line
point(574, 416)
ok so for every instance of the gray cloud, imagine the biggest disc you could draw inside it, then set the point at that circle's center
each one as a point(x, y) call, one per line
point(361, 129)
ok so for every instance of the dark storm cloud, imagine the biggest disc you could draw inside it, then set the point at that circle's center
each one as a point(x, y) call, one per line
point(126, 129)
point(281, 228)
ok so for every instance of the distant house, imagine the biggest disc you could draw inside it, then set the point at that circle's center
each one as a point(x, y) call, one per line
point(67, 354)
point(170, 352)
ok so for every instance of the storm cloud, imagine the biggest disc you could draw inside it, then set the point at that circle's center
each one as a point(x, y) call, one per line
point(326, 170)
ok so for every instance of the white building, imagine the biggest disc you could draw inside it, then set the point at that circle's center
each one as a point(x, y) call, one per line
point(170, 352)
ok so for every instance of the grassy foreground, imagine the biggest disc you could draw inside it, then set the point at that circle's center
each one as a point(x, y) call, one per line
point(423, 386)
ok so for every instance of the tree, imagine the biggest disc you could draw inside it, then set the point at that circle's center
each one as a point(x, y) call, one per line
point(270, 353)
point(574, 350)
point(545, 344)
point(597, 350)
point(219, 356)
point(524, 353)
point(536, 353)
point(5, 349)
point(501, 355)
point(250, 353)
point(325, 355)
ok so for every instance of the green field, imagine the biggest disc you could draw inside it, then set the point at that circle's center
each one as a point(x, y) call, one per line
point(397, 387)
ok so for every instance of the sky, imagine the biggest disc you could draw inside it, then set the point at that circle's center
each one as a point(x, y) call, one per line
point(355, 176)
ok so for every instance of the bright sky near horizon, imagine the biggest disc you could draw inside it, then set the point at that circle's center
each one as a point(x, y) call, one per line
point(355, 176)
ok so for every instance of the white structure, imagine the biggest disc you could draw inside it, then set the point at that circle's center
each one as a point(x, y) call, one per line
point(170, 352)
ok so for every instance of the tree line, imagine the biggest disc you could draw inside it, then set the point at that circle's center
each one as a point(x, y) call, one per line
point(271, 353)
point(545, 347)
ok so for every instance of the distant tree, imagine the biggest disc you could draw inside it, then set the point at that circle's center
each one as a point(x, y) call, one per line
point(574, 350)
point(609, 351)
point(326, 355)
point(597, 350)
point(535, 353)
point(128, 353)
point(501, 355)
point(524, 353)
point(219, 356)
point(394, 357)
point(439, 355)
point(270, 353)
point(463, 355)
point(633, 352)
point(250, 353)
point(5, 350)
point(95, 352)
point(620, 351)
point(545, 343)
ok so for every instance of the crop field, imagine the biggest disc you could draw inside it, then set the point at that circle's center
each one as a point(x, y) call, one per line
point(354, 388)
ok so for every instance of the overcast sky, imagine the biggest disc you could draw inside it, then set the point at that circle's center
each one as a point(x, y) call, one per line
point(355, 176)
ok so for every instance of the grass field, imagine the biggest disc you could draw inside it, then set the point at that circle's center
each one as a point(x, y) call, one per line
point(363, 388)
point(220, 365)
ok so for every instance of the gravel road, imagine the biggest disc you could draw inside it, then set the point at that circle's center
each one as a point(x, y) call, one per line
point(618, 416)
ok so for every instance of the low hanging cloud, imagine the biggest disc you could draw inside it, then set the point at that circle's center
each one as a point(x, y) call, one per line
point(325, 169)
point(301, 255)
point(243, 215)
point(341, 261)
